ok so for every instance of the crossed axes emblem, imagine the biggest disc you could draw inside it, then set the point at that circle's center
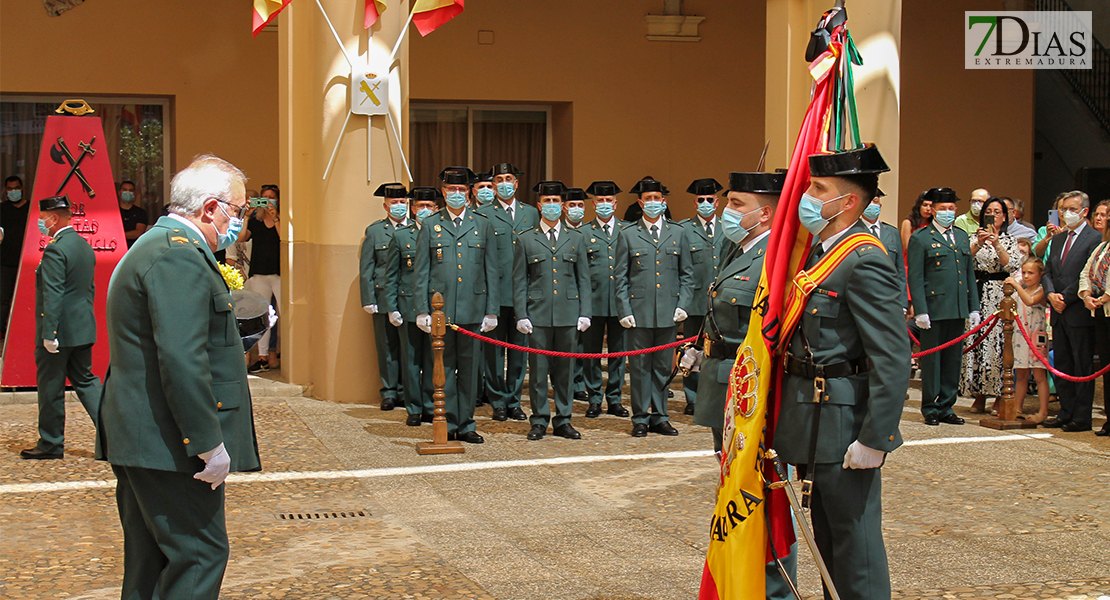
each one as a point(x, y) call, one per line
point(60, 154)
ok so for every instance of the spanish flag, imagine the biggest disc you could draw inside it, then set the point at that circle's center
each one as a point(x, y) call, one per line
point(374, 9)
point(265, 11)
point(428, 15)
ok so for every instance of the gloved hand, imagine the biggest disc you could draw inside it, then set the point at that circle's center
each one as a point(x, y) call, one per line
point(371, 308)
point(489, 323)
point(217, 464)
point(395, 319)
point(424, 322)
point(51, 346)
point(679, 315)
point(974, 318)
point(628, 322)
point(922, 321)
point(524, 326)
point(583, 323)
point(691, 359)
point(859, 456)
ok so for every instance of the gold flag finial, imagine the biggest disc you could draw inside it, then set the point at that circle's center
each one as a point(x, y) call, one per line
point(75, 107)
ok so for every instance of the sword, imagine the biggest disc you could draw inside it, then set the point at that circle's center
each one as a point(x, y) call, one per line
point(86, 149)
point(803, 524)
point(370, 93)
point(63, 155)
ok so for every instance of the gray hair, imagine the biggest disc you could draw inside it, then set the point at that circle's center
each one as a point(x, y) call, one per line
point(206, 177)
point(1084, 199)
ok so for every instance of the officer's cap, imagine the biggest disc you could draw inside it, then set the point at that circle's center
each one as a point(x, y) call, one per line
point(480, 177)
point(549, 188)
point(648, 184)
point(425, 193)
point(757, 183)
point(574, 194)
point(704, 187)
point(864, 161)
point(603, 188)
point(942, 194)
point(54, 203)
point(456, 176)
point(505, 169)
point(391, 190)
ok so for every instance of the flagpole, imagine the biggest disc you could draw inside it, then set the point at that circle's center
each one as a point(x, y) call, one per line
point(337, 140)
point(400, 148)
point(397, 46)
point(339, 41)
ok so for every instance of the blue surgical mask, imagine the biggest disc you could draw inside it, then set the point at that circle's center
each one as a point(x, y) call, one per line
point(398, 211)
point(575, 214)
point(809, 213)
point(424, 213)
point(234, 226)
point(127, 197)
point(506, 190)
point(872, 211)
point(15, 195)
point(945, 218)
point(551, 211)
point(604, 209)
point(456, 199)
point(706, 209)
point(485, 195)
point(730, 223)
point(43, 229)
point(654, 208)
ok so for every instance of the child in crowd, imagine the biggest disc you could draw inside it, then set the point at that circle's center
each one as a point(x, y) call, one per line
point(1031, 311)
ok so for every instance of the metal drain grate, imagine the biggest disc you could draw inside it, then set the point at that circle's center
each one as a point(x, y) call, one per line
point(320, 516)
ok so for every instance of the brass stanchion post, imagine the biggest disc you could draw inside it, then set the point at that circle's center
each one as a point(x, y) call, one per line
point(1007, 405)
point(439, 443)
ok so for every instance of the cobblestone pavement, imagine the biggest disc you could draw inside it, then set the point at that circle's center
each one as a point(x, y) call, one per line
point(969, 512)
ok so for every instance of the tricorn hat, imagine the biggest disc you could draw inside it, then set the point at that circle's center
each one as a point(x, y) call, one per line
point(425, 193)
point(54, 203)
point(391, 190)
point(549, 188)
point(480, 177)
point(704, 187)
point(574, 194)
point(757, 183)
point(603, 188)
point(456, 176)
point(942, 194)
point(862, 161)
point(505, 169)
point(647, 185)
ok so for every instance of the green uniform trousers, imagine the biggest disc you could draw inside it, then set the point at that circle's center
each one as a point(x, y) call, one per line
point(604, 330)
point(74, 362)
point(690, 327)
point(940, 371)
point(559, 370)
point(462, 363)
point(174, 535)
point(503, 369)
point(388, 342)
point(416, 369)
point(648, 372)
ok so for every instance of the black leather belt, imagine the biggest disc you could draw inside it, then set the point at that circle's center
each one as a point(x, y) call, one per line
point(722, 350)
point(810, 370)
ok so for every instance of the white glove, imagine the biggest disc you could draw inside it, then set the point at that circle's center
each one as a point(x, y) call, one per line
point(922, 321)
point(583, 323)
point(691, 359)
point(974, 318)
point(524, 326)
point(371, 308)
point(679, 315)
point(424, 322)
point(51, 346)
point(859, 456)
point(217, 464)
point(489, 323)
point(395, 319)
point(628, 322)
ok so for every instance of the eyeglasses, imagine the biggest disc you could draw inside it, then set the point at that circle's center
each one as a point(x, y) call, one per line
point(236, 211)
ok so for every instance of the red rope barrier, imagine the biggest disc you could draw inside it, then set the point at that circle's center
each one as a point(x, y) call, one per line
point(989, 320)
point(569, 354)
point(1051, 369)
point(982, 337)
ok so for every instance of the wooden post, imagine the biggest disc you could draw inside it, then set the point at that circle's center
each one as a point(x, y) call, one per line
point(439, 443)
point(1007, 405)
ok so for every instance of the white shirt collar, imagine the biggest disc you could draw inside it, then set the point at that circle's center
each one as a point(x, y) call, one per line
point(187, 222)
point(399, 224)
point(610, 223)
point(748, 246)
point(511, 204)
point(61, 230)
point(834, 238)
point(1082, 224)
point(545, 228)
point(452, 216)
point(658, 223)
point(942, 230)
point(712, 220)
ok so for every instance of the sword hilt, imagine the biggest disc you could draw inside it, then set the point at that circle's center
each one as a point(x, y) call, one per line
point(780, 470)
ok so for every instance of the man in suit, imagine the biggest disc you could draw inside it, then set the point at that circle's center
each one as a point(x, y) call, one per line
point(942, 285)
point(176, 415)
point(574, 210)
point(373, 261)
point(707, 246)
point(846, 375)
point(400, 304)
point(504, 369)
point(551, 307)
point(65, 326)
point(654, 285)
point(1072, 324)
point(891, 239)
point(601, 249)
point(454, 257)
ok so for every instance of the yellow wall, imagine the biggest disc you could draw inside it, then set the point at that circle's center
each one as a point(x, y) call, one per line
point(224, 83)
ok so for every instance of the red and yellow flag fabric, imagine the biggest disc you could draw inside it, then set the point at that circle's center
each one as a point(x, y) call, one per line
point(265, 11)
point(428, 15)
point(374, 9)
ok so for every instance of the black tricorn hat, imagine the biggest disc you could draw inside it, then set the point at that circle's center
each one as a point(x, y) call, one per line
point(757, 183)
point(574, 194)
point(425, 193)
point(549, 188)
point(391, 190)
point(942, 194)
point(647, 185)
point(505, 169)
point(456, 176)
point(54, 203)
point(603, 188)
point(864, 161)
point(704, 187)
point(480, 177)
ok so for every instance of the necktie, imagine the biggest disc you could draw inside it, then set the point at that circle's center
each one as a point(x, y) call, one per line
point(1067, 247)
point(655, 233)
point(815, 255)
point(551, 235)
point(458, 222)
point(709, 228)
point(875, 230)
point(606, 228)
point(951, 239)
point(512, 216)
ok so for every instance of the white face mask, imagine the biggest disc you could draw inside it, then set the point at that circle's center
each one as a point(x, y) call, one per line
point(1071, 219)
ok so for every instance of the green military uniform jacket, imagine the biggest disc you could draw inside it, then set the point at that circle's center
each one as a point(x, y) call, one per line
point(505, 234)
point(892, 241)
point(853, 314)
point(941, 275)
point(176, 384)
point(653, 277)
point(706, 254)
point(64, 290)
point(459, 265)
point(550, 284)
point(400, 273)
point(372, 262)
point(601, 249)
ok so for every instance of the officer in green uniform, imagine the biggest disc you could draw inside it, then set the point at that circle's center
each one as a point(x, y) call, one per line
point(574, 210)
point(707, 247)
point(850, 353)
point(372, 265)
point(454, 257)
point(482, 190)
point(601, 237)
point(65, 326)
point(400, 304)
point(504, 369)
point(176, 415)
point(942, 285)
point(891, 239)
point(550, 279)
point(654, 286)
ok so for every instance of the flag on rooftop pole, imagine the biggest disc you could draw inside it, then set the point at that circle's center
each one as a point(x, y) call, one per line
point(738, 547)
point(428, 15)
point(265, 11)
point(374, 9)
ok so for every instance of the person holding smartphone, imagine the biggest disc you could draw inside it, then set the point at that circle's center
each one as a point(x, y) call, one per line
point(262, 229)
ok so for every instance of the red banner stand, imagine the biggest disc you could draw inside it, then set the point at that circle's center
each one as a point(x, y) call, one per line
point(92, 192)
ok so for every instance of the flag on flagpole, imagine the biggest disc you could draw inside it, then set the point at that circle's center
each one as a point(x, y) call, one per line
point(428, 15)
point(265, 11)
point(374, 9)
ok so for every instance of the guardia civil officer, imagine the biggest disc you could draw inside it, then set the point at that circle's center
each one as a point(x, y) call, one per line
point(504, 369)
point(550, 279)
point(707, 246)
point(454, 257)
point(850, 352)
point(601, 237)
point(654, 285)
point(482, 190)
point(65, 326)
point(891, 239)
point(372, 265)
point(400, 304)
point(942, 285)
point(574, 210)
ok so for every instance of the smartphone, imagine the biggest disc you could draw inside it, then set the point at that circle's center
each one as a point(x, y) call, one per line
point(259, 202)
point(1054, 217)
